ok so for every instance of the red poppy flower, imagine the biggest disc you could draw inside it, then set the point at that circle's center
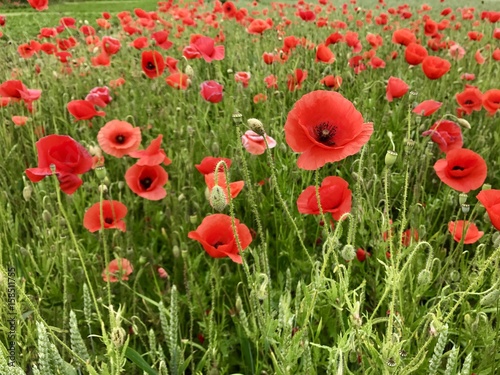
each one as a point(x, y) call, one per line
point(255, 144)
point(362, 254)
point(209, 163)
point(324, 54)
point(118, 269)
point(152, 63)
point(215, 234)
point(161, 39)
point(211, 91)
point(110, 45)
point(332, 82)
point(229, 9)
point(294, 81)
point(39, 4)
point(491, 101)
point(99, 96)
point(178, 80)
point(258, 26)
point(307, 15)
point(16, 91)
point(427, 107)
point(408, 236)
point(435, 67)
point(271, 81)
point(462, 170)
point(259, 98)
point(472, 234)
point(471, 99)
point(152, 155)
point(468, 77)
point(68, 157)
point(112, 214)
point(83, 110)
point(335, 197)
point(115, 83)
point(140, 42)
point(205, 48)
point(377, 63)
point(396, 88)
point(446, 134)
point(404, 37)
point(147, 181)
point(2, 20)
point(19, 120)
point(490, 199)
point(325, 127)
point(415, 53)
point(118, 138)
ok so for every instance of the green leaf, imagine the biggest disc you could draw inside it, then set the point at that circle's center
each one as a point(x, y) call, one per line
point(139, 361)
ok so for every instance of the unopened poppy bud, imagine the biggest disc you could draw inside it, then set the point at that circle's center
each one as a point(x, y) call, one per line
point(424, 277)
point(103, 188)
point(390, 158)
point(193, 219)
point(430, 147)
point(348, 252)
point(164, 232)
point(189, 71)
point(239, 304)
point(118, 335)
point(454, 276)
point(237, 118)
point(176, 251)
point(462, 198)
point(46, 216)
point(486, 187)
point(121, 185)
point(218, 198)
point(465, 208)
point(490, 299)
point(27, 191)
point(230, 71)
point(215, 148)
point(256, 126)
point(100, 172)
point(464, 123)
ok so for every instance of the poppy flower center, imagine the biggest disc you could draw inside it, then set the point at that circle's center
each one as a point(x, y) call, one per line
point(469, 102)
point(120, 139)
point(108, 220)
point(150, 66)
point(146, 183)
point(324, 133)
point(217, 244)
point(457, 168)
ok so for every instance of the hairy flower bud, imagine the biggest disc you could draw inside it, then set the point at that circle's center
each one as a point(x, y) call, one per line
point(348, 252)
point(424, 277)
point(218, 198)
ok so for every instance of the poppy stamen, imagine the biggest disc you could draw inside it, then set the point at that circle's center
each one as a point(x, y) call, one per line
point(324, 133)
point(108, 220)
point(146, 183)
point(217, 244)
point(120, 138)
point(150, 66)
point(457, 168)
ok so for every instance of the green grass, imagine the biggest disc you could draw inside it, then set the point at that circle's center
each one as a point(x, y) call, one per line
point(295, 305)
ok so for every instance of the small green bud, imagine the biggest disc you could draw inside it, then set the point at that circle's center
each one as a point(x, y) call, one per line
point(121, 185)
point(27, 191)
point(410, 144)
point(189, 71)
point(176, 251)
point(142, 260)
point(215, 148)
point(47, 217)
point(491, 298)
point(348, 252)
point(239, 304)
point(462, 198)
point(390, 158)
point(193, 219)
point(100, 172)
point(218, 198)
point(486, 187)
point(464, 123)
point(454, 275)
point(424, 277)
point(465, 208)
point(256, 126)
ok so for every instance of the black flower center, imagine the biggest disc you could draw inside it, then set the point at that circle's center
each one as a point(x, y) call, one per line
point(146, 183)
point(150, 66)
point(217, 244)
point(120, 138)
point(457, 168)
point(324, 133)
point(108, 220)
point(469, 102)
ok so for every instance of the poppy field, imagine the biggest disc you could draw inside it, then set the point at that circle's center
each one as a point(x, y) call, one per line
point(250, 187)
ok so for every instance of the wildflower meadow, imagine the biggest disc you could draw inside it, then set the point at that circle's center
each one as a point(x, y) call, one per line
point(208, 187)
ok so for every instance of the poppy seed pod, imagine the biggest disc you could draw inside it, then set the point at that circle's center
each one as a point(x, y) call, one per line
point(462, 198)
point(424, 277)
point(390, 158)
point(27, 191)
